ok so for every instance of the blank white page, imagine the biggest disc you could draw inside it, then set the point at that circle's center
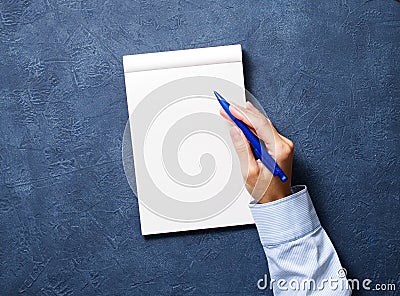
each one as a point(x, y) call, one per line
point(187, 172)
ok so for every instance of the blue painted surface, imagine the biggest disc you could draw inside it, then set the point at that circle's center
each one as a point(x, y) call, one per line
point(328, 75)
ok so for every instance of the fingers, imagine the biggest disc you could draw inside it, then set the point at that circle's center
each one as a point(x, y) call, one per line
point(226, 116)
point(255, 119)
point(248, 164)
point(288, 143)
point(276, 144)
point(250, 106)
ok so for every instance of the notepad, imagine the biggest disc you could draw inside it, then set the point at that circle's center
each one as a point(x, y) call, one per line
point(187, 172)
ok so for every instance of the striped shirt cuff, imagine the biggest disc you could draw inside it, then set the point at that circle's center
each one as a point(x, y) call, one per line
point(286, 219)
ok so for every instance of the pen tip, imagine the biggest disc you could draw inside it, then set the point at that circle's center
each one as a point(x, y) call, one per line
point(219, 97)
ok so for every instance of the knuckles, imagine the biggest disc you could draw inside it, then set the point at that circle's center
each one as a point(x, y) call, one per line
point(285, 150)
point(290, 145)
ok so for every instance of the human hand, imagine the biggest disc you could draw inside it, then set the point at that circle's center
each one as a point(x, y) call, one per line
point(259, 181)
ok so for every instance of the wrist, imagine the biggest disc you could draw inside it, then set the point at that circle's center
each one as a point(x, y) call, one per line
point(276, 192)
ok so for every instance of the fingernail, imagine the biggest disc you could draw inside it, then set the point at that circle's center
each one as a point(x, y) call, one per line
point(233, 107)
point(235, 133)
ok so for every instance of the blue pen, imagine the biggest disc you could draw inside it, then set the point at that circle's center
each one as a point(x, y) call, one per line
point(258, 149)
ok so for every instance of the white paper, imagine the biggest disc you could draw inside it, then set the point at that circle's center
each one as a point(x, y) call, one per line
point(190, 206)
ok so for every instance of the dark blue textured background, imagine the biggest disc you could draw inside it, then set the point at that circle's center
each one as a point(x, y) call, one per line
point(328, 74)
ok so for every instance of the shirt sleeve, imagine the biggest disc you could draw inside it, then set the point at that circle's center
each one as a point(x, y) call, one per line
point(300, 255)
